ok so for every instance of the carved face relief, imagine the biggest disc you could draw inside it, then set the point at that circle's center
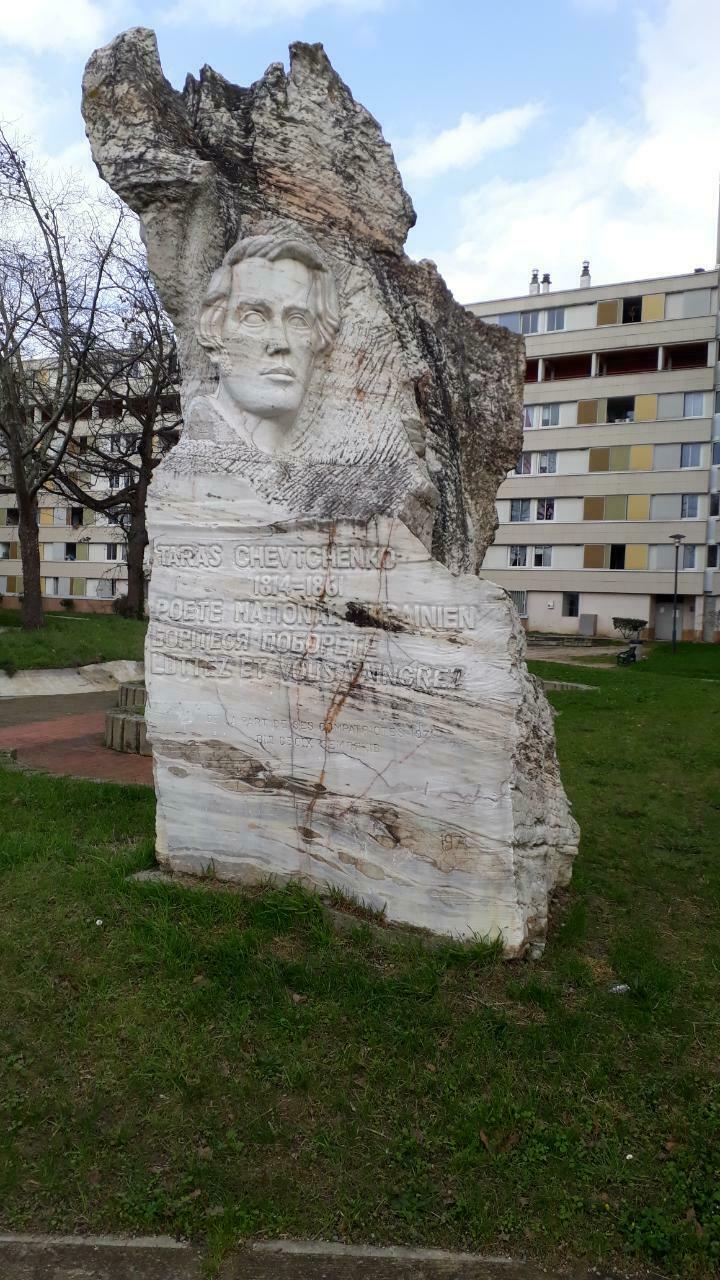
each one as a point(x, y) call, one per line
point(269, 338)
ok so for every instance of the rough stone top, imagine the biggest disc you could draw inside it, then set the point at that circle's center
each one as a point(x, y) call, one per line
point(282, 118)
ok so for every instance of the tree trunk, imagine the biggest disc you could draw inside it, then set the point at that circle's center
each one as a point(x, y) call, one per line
point(136, 544)
point(29, 539)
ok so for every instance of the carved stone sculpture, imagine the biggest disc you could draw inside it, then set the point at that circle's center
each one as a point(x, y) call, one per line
point(334, 694)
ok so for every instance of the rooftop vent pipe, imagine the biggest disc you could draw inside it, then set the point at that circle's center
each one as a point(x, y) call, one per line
point(534, 282)
point(585, 275)
point(545, 287)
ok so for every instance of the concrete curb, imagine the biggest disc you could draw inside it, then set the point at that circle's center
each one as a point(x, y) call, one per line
point(97, 677)
point(101, 1257)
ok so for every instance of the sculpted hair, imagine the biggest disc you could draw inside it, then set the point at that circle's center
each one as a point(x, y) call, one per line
point(214, 304)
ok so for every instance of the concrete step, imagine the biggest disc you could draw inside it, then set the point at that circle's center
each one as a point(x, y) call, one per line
point(126, 731)
point(132, 696)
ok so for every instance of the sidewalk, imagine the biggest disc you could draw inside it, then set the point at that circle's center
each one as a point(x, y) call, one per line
point(105, 1258)
point(64, 735)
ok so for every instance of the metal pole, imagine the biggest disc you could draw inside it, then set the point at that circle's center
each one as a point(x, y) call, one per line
point(674, 627)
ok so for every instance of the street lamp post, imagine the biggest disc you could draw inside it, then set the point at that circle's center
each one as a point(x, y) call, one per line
point(677, 538)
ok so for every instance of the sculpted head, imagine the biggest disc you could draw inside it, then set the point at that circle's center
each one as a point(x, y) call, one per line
point(269, 310)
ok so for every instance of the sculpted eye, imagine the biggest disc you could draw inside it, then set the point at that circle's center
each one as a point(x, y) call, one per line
point(253, 319)
point(298, 321)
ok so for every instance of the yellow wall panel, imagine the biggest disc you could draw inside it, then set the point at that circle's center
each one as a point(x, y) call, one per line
point(77, 586)
point(638, 506)
point(587, 412)
point(641, 457)
point(645, 408)
point(46, 515)
point(653, 306)
point(636, 556)
point(608, 312)
point(595, 556)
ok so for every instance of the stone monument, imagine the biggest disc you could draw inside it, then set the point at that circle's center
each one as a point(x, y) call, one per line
point(335, 696)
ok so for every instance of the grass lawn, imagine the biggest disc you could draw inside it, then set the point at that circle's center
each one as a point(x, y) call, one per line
point(70, 640)
point(222, 1065)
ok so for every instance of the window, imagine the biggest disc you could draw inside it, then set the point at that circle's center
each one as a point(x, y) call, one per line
point(4, 550)
point(550, 415)
point(621, 409)
point(546, 508)
point(547, 462)
point(715, 504)
point(693, 404)
point(112, 551)
point(529, 321)
point(542, 557)
point(571, 604)
point(690, 455)
point(529, 417)
point(71, 551)
point(631, 310)
point(617, 556)
point(555, 319)
point(511, 321)
point(689, 506)
point(12, 515)
point(518, 557)
point(688, 557)
point(715, 455)
point(76, 517)
point(712, 557)
point(52, 586)
point(519, 510)
point(519, 599)
point(115, 443)
point(115, 480)
point(523, 466)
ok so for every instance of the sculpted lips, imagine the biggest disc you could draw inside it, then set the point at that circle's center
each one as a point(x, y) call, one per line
point(281, 371)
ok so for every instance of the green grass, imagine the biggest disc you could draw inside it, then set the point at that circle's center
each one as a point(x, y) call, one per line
point(68, 641)
point(222, 1065)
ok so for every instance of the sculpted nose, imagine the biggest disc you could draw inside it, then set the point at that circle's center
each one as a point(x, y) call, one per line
point(277, 339)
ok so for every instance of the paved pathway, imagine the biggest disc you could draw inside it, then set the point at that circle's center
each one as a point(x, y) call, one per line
point(64, 735)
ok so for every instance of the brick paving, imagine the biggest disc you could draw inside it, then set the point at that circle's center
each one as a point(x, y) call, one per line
point(68, 741)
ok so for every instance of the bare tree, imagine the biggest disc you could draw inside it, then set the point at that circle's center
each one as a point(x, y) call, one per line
point(55, 251)
point(131, 377)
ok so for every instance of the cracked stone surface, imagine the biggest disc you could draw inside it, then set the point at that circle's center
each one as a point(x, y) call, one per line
point(334, 695)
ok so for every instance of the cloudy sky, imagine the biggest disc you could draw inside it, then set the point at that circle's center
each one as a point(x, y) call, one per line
point(536, 133)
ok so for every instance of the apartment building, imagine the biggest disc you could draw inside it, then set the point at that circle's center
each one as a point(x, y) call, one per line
point(83, 553)
point(83, 557)
point(621, 451)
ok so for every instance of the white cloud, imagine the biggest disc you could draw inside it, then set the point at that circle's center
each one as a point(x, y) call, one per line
point(469, 142)
point(24, 110)
point(636, 199)
point(248, 15)
point(55, 25)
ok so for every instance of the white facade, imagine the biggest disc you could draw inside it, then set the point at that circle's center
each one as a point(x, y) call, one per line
point(621, 449)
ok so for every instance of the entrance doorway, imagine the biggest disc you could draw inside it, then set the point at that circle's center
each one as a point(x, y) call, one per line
point(664, 617)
